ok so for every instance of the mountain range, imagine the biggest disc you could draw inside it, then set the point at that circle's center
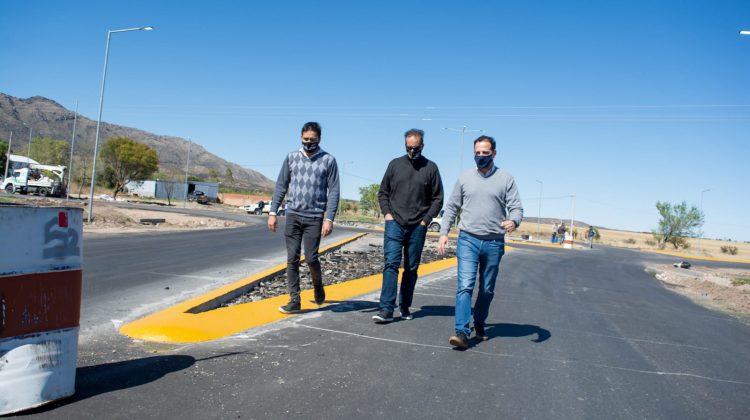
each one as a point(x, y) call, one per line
point(48, 118)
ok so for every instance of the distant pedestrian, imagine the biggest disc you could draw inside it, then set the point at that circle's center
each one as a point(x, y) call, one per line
point(310, 176)
point(554, 233)
point(561, 232)
point(491, 207)
point(590, 234)
point(410, 196)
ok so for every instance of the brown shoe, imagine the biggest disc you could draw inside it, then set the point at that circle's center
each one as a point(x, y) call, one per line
point(459, 340)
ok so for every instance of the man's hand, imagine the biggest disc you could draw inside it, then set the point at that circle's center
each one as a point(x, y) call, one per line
point(388, 216)
point(442, 242)
point(327, 228)
point(508, 225)
point(272, 223)
point(423, 223)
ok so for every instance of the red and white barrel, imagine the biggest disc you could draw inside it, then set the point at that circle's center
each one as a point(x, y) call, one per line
point(40, 304)
point(568, 241)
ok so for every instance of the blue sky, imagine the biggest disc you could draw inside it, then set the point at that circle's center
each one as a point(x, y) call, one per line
point(619, 103)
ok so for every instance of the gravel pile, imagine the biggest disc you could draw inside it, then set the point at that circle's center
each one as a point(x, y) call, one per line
point(350, 262)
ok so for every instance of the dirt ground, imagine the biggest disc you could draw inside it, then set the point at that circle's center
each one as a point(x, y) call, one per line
point(115, 220)
point(111, 220)
point(725, 289)
point(640, 240)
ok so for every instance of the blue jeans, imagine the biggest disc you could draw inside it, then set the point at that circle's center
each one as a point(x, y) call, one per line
point(482, 257)
point(397, 241)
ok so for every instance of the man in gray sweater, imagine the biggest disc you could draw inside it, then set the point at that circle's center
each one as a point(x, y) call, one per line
point(491, 207)
point(309, 177)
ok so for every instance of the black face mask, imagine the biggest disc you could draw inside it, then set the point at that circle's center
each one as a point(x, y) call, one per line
point(414, 152)
point(483, 161)
point(310, 147)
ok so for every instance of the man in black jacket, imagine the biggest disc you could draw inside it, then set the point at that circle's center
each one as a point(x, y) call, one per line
point(410, 195)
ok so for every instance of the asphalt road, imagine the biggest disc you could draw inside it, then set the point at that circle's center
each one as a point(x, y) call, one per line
point(126, 276)
point(574, 334)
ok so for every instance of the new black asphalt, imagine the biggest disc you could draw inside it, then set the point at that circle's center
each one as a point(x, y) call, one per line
point(573, 334)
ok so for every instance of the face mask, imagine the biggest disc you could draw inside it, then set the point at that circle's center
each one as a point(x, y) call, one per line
point(414, 153)
point(310, 147)
point(483, 161)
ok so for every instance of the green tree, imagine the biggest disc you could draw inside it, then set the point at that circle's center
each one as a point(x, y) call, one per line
point(49, 151)
point(3, 156)
point(368, 198)
point(129, 161)
point(228, 176)
point(213, 175)
point(677, 222)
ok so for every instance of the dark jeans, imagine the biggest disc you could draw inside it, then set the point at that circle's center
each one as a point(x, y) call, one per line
point(301, 229)
point(397, 241)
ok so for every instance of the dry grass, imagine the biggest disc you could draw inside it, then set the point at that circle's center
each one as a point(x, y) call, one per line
point(708, 247)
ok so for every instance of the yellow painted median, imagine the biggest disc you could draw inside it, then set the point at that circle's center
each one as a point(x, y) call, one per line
point(177, 325)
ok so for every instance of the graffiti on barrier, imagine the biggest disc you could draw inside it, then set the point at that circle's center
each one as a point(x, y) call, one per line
point(59, 243)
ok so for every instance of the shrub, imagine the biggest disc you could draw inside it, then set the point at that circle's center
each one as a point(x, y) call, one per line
point(649, 242)
point(739, 281)
point(728, 249)
point(630, 241)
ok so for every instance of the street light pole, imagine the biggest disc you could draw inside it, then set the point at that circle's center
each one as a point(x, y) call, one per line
point(99, 120)
point(72, 147)
point(187, 170)
point(7, 159)
point(463, 131)
point(341, 186)
point(572, 214)
point(28, 160)
point(699, 236)
point(539, 215)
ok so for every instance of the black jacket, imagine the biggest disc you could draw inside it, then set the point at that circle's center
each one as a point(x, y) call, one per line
point(411, 191)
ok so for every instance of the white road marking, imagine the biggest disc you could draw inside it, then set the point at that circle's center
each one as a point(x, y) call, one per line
point(561, 361)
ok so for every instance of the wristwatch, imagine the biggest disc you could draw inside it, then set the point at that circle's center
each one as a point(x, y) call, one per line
point(272, 213)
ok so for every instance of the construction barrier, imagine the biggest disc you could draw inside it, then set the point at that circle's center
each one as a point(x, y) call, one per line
point(568, 241)
point(40, 301)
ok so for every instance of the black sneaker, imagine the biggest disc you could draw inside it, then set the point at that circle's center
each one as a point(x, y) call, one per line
point(459, 340)
point(320, 295)
point(290, 308)
point(406, 314)
point(479, 332)
point(383, 317)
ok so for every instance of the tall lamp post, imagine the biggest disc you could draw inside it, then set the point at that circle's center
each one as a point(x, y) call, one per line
point(699, 236)
point(539, 215)
point(72, 148)
point(99, 121)
point(463, 132)
point(7, 159)
point(341, 185)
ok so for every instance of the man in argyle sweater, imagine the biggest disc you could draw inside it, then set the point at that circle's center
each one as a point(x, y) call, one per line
point(309, 178)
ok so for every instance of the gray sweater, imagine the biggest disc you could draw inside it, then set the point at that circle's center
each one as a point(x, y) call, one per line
point(312, 184)
point(485, 201)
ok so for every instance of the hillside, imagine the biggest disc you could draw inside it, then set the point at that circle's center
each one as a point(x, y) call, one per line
point(48, 118)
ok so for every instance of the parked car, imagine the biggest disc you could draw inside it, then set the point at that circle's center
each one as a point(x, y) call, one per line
point(199, 197)
point(262, 207)
point(436, 223)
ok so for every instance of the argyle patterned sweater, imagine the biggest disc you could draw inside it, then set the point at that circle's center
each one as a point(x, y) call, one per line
point(311, 185)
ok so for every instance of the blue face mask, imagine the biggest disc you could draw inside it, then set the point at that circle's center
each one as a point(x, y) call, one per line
point(483, 161)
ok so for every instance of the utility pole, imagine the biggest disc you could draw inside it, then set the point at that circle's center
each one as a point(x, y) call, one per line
point(463, 132)
point(72, 147)
point(701, 234)
point(187, 169)
point(7, 160)
point(539, 215)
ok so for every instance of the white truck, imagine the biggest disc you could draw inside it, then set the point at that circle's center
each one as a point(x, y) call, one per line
point(45, 180)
